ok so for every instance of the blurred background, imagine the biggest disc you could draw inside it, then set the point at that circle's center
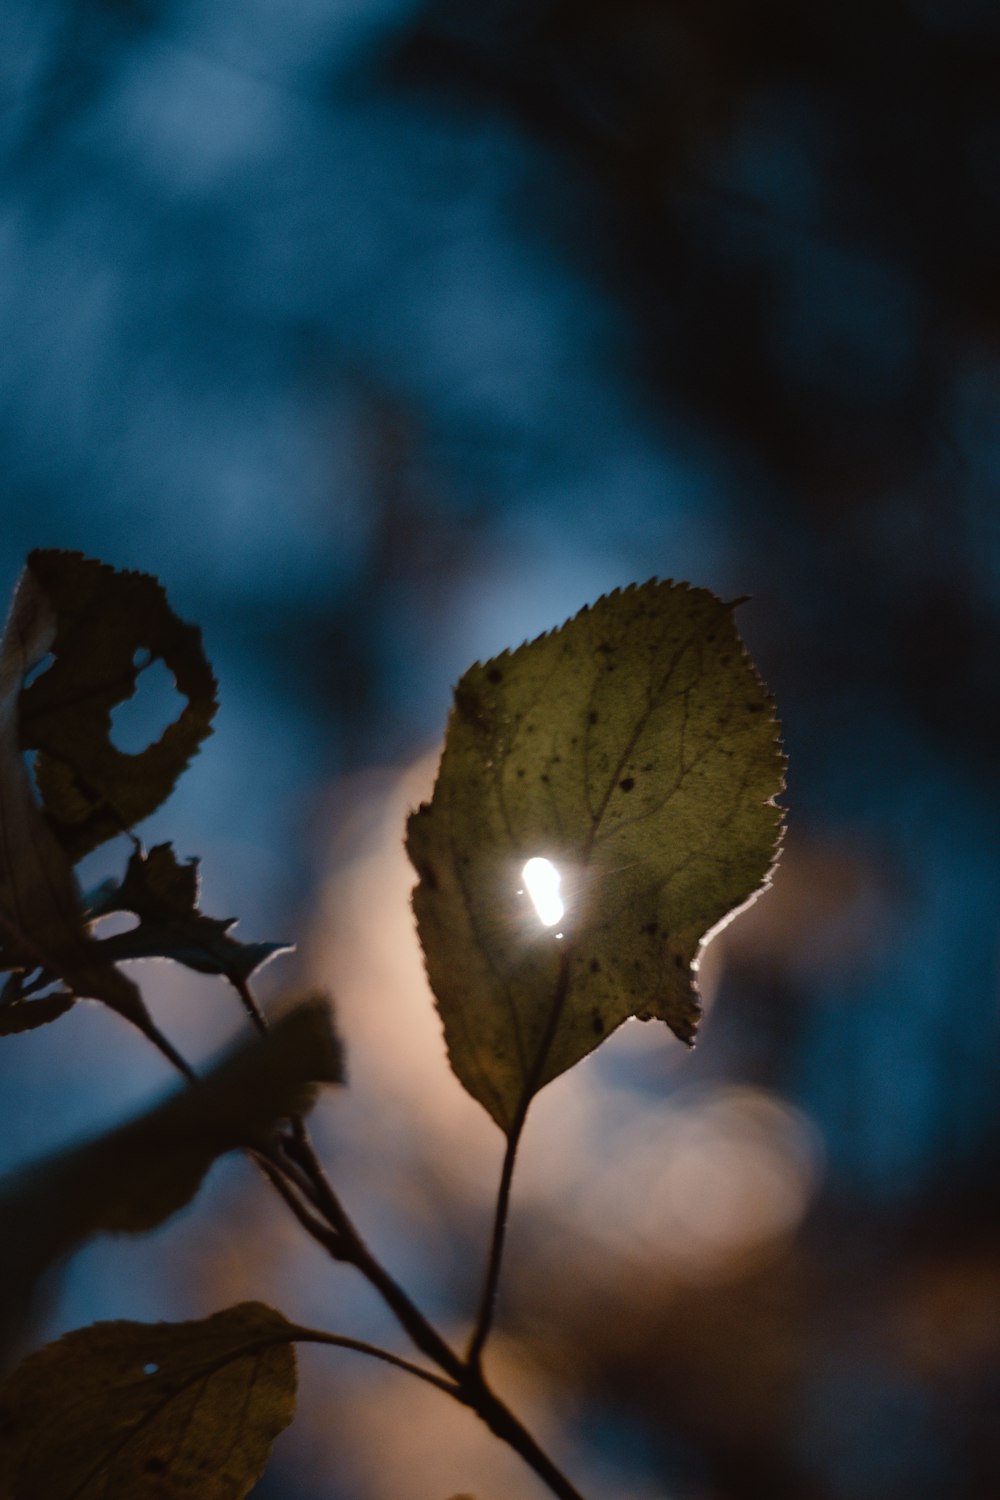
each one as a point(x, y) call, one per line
point(388, 334)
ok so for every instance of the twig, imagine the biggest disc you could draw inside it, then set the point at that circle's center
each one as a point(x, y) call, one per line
point(494, 1261)
point(359, 1346)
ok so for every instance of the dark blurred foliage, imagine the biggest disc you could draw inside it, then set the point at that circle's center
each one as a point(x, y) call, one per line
point(389, 334)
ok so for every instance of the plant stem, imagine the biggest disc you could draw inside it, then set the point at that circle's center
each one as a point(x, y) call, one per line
point(359, 1346)
point(505, 1426)
point(469, 1386)
point(472, 1392)
point(494, 1262)
point(298, 1171)
point(343, 1242)
point(491, 1280)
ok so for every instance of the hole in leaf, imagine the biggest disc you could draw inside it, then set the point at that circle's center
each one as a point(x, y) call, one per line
point(151, 1369)
point(141, 719)
point(116, 922)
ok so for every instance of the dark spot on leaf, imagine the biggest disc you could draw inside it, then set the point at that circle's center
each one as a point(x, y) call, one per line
point(495, 675)
point(520, 773)
point(755, 708)
point(544, 777)
point(597, 1021)
point(652, 928)
point(678, 961)
point(468, 703)
point(627, 783)
point(429, 876)
point(595, 967)
point(591, 717)
point(605, 647)
point(155, 1465)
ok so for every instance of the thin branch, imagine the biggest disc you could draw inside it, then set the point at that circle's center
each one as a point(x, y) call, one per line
point(317, 1230)
point(163, 1044)
point(344, 1243)
point(359, 1346)
point(494, 1261)
point(249, 1000)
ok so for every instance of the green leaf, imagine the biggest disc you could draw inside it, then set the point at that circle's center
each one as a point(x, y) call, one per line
point(163, 894)
point(635, 749)
point(103, 618)
point(41, 917)
point(149, 1411)
point(134, 1177)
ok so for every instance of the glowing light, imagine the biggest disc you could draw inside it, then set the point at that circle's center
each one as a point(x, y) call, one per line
point(541, 880)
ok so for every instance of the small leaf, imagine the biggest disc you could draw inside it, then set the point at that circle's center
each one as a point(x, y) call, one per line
point(163, 894)
point(634, 751)
point(41, 916)
point(105, 622)
point(25, 1015)
point(149, 1411)
point(133, 1178)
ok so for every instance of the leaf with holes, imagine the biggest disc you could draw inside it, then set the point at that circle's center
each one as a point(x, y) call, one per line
point(42, 924)
point(109, 626)
point(149, 1411)
point(632, 755)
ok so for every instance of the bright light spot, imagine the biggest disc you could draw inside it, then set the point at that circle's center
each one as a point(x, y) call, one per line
point(541, 880)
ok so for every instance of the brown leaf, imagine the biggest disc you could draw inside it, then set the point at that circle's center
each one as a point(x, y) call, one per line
point(149, 1411)
point(41, 916)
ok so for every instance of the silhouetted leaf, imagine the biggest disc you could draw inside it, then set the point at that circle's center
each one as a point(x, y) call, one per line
point(41, 917)
point(635, 749)
point(106, 621)
point(163, 894)
point(134, 1177)
point(25, 1015)
point(149, 1411)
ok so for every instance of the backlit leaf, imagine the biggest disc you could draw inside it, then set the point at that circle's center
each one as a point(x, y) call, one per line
point(108, 626)
point(149, 1411)
point(636, 751)
point(134, 1177)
